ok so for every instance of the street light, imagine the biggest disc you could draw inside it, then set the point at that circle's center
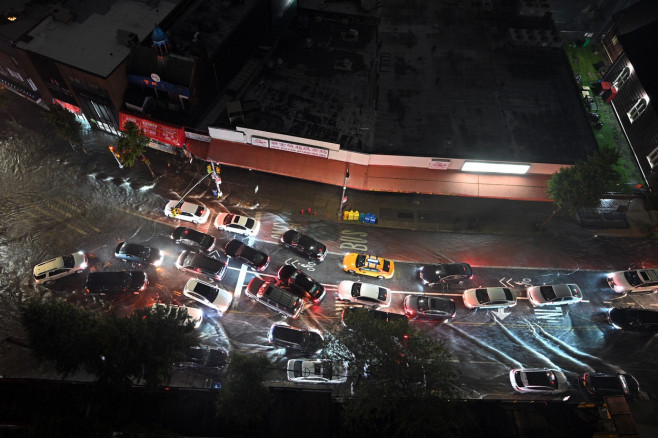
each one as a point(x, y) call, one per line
point(116, 156)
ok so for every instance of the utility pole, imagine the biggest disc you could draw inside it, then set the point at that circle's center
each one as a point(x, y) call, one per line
point(343, 198)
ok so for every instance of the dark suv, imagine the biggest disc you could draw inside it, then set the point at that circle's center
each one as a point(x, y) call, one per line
point(193, 239)
point(633, 319)
point(599, 385)
point(309, 342)
point(445, 273)
point(296, 279)
point(199, 263)
point(116, 282)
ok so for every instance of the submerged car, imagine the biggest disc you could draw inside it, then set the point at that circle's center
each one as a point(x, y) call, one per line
point(204, 360)
point(370, 265)
point(199, 263)
point(316, 371)
point(236, 223)
point(246, 254)
point(194, 315)
point(187, 211)
point(296, 279)
point(601, 384)
point(554, 295)
point(538, 381)
point(633, 319)
point(208, 295)
point(193, 239)
point(304, 244)
point(307, 341)
point(428, 308)
point(350, 316)
point(489, 298)
point(445, 273)
point(136, 253)
point(634, 280)
point(365, 293)
point(54, 269)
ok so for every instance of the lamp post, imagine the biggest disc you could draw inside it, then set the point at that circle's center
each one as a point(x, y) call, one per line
point(343, 198)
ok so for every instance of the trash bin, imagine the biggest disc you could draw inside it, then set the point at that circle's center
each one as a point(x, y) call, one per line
point(367, 218)
point(346, 215)
point(354, 215)
point(362, 217)
point(373, 218)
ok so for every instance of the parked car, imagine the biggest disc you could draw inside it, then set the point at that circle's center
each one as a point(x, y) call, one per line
point(634, 280)
point(445, 273)
point(351, 315)
point(304, 244)
point(204, 360)
point(194, 315)
point(365, 293)
point(489, 298)
point(316, 371)
point(633, 319)
point(296, 279)
point(59, 267)
point(116, 282)
point(247, 255)
point(193, 239)
point(554, 295)
point(370, 265)
point(208, 295)
point(306, 341)
point(600, 384)
point(283, 301)
point(199, 263)
point(428, 308)
point(538, 381)
point(236, 223)
point(136, 253)
point(187, 211)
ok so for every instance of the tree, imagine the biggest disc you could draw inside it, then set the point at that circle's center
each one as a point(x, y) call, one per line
point(65, 124)
point(131, 146)
point(118, 351)
point(244, 399)
point(582, 185)
point(402, 378)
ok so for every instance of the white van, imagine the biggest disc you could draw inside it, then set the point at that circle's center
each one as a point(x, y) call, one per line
point(59, 267)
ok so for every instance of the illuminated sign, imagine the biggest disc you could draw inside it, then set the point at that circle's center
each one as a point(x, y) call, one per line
point(485, 167)
point(172, 135)
point(299, 149)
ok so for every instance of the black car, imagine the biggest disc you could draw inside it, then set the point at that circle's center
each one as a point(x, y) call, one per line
point(116, 282)
point(193, 239)
point(296, 279)
point(634, 319)
point(600, 385)
point(308, 342)
point(351, 314)
point(445, 273)
point(199, 263)
point(205, 360)
point(247, 255)
point(135, 253)
point(427, 308)
point(304, 245)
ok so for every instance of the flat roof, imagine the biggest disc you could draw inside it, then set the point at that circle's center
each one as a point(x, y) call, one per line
point(88, 40)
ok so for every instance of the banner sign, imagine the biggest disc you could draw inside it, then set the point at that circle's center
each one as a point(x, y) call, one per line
point(298, 148)
point(439, 164)
point(172, 135)
point(262, 142)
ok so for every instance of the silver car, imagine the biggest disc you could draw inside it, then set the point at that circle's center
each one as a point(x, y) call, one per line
point(554, 295)
point(489, 298)
point(538, 381)
point(316, 371)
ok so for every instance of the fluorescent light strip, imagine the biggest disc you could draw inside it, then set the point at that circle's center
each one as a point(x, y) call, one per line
point(480, 166)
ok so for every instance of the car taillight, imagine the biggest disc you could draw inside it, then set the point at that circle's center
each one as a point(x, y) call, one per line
point(411, 313)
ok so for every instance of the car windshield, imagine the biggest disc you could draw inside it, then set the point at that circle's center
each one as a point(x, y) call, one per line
point(382, 294)
point(297, 368)
point(324, 369)
point(228, 219)
point(136, 250)
point(199, 211)
point(360, 260)
point(210, 293)
point(250, 223)
point(547, 292)
point(575, 291)
point(482, 296)
point(423, 304)
point(69, 262)
point(542, 378)
point(386, 266)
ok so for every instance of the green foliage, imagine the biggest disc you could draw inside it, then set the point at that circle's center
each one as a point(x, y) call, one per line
point(244, 399)
point(116, 350)
point(583, 184)
point(132, 144)
point(402, 377)
point(65, 124)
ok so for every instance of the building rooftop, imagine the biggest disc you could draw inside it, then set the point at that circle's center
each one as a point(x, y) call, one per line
point(448, 80)
point(83, 34)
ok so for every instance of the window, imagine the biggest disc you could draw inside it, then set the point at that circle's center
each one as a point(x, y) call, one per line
point(623, 77)
point(637, 109)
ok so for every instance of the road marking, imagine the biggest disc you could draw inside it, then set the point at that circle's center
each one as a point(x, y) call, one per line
point(238, 285)
point(549, 313)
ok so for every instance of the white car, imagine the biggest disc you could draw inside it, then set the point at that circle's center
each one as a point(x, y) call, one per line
point(538, 381)
point(236, 223)
point(554, 295)
point(59, 267)
point(193, 314)
point(187, 211)
point(365, 293)
point(208, 295)
point(489, 298)
point(316, 371)
point(634, 280)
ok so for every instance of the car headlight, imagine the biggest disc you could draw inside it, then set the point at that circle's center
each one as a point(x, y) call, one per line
point(344, 266)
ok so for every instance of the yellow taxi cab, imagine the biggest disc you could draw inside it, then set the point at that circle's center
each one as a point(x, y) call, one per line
point(369, 265)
